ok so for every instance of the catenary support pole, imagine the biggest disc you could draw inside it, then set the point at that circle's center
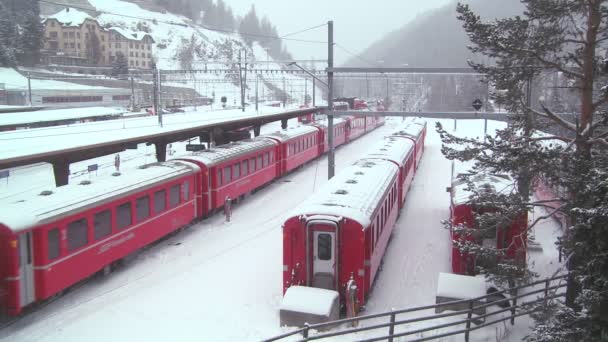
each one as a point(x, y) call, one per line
point(330, 102)
point(29, 89)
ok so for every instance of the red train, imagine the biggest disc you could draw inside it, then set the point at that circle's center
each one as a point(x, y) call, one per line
point(340, 234)
point(512, 239)
point(52, 241)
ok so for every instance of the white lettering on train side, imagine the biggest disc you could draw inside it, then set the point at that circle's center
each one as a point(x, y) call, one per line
point(105, 247)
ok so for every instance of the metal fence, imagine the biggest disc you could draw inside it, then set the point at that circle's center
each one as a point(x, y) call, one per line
point(518, 305)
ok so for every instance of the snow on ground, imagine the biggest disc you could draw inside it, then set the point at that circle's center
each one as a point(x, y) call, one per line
point(59, 114)
point(218, 281)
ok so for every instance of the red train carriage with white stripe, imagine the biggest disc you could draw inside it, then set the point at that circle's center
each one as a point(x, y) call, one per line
point(51, 241)
point(512, 239)
point(355, 127)
point(415, 130)
point(341, 232)
point(56, 239)
point(401, 152)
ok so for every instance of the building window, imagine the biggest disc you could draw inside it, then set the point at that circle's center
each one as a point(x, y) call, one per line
point(86, 36)
point(103, 38)
point(130, 53)
point(112, 58)
point(148, 48)
point(77, 234)
point(131, 63)
point(72, 45)
point(52, 24)
point(78, 35)
point(65, 34)
point(136, 54)
point(79, 45)
point(149, 56)
point(53, 34)
point(103, 48)
point(117, 45)
point(137, 46)
point(123, 215)
point(102, 224)
point(136, 63)
point(53, 243)
point(71, 34)
point(131, 45)
point(65, 45)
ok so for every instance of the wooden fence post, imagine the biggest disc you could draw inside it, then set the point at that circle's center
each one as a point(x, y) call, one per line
point(469, 317)
point(547, 283)
point(514, 307)
point(305, 332)
point(391, 328)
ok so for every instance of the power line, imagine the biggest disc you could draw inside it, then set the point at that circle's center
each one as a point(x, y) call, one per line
point(188, 25)
point(356, 55)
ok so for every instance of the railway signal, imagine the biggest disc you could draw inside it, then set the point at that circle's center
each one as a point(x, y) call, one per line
point(477, 104)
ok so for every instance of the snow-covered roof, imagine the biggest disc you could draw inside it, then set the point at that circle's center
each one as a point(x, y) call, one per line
point(354, 193)
point(293, 132)
point(309, 300)
point(412, 127)
point(128, 34)
point(70, 17)
point(460, 286)
point(481, 182)
point(229, 151)
point(26, 213)
point(392, 148)
point(58, 114)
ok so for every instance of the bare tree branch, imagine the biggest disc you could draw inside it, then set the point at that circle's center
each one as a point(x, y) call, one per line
point(567, 125)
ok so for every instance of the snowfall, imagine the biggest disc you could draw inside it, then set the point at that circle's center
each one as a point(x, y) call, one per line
point(219, 281)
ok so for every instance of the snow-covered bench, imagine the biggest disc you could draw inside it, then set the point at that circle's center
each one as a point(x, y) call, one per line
point(302, 304)
point(456, 287)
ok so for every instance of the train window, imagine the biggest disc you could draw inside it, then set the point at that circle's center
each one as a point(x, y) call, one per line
point(244, 168)
point(227, 175)
point(160, 201)
point(78, 234)
point(174, 196)
point(324, 246)
point(252, 164)
point(53, 243)
point(265, 159)
point(271, 156)
point(123, 215)
point(186, 190)
point(236, 171)
point(219, 177)
point(102, 224)
point(142, 208)
point(259, 167)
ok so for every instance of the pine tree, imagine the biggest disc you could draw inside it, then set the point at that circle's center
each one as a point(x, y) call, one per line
point(93, 48)
point(32, 34)
point(553, 36)
point(8, 37)
point(120, 66)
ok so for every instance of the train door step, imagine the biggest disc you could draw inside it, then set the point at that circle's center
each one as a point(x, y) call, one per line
point(302, 304)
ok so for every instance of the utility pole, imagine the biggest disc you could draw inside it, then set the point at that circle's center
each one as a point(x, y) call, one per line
point(156, 96)
point(29, 89)
point(132, 93)
point(241, 81)
point(314, 91)
point(284, 93)
point(306, 91)
point(330, 103)
point(256, 92)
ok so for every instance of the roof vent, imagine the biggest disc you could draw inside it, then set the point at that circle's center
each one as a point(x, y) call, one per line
point(46, 193)
point(85, 182)
point(116, 174)
point(341, 192)
point(143, 167)
point(351, 181)
point(383, 149)
point(359, 173)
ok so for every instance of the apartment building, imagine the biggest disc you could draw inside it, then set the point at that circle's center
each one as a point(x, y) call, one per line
point(69, 39)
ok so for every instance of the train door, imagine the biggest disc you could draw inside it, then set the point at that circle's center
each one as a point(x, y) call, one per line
point(324, 255)
point(26, 269)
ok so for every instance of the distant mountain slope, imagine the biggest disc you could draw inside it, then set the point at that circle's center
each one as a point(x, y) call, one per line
point(435, 39)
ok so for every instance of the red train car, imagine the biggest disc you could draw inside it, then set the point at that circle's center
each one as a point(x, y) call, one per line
point(58, 238)
point(355, 127)
point(511, 239)
point(234, 170)
point(402, 153)
point(342, 231)
point(415, 130)
point(339, 134)
point(297, 146)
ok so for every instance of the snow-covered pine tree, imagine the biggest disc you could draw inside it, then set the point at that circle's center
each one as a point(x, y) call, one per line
point(120, 65)
point(567, 37)
point(8, 36)
point(32, 33)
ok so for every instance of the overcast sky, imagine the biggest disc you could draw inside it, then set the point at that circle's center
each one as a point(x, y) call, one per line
point(357, 23)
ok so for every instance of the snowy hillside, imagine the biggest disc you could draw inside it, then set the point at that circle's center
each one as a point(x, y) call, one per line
point(181, 44)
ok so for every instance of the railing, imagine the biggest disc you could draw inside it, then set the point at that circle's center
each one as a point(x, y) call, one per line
point(517, 307)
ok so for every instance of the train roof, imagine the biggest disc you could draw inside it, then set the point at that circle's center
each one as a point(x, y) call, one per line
point(461, 193)
point(392, 148)
point(324, 123)
point(229, 151)
point(19, 215)
point(290, 133)
point(412, 127)
point(354, 193)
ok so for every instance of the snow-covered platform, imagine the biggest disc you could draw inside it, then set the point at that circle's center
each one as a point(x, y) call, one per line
point(311, 305)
